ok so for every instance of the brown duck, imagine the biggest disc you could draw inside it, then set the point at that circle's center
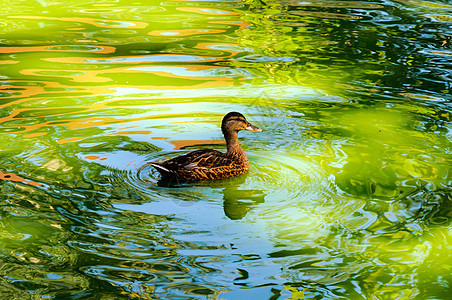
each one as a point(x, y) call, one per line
point(209, 164)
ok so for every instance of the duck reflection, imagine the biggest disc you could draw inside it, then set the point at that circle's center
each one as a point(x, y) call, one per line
point(237, 203)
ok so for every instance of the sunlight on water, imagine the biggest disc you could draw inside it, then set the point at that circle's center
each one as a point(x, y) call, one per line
point(348, 194)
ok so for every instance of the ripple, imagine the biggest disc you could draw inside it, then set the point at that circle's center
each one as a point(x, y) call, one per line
point(60, 48)
point(440, 18)
point(348, 191)
point(208, 11)
point(334, 4)
point(157, 58)
point(14, 177)
point(103, 23)
point(184, 32)
point(326, 15)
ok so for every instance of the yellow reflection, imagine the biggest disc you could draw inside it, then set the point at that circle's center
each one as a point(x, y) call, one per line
point(241, 24)
point(36, 134)
point(131, 132)
point(26, 92)
point(189, 143)
point(8, 62)
point(85, 76)
point(336, 4)
point(78, 123)
point(441, 52)
point(68, 140)
point(184, 32)
point(60, 48)
point(133, 59)
point(192, 72)
point(103, 23)
point(23, 88)
point(104, 4)
point(441, 18)
point(18, 90)
point(216, 46)
point(425, 3)
point(326, 15)
point(208, 11)
point(91, 76)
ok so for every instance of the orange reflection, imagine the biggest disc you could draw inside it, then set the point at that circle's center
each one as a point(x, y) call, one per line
point(14, 177)
point(339, 4)
point(184, 32)
point(100, 75)
point(79, 123)
point(208, 11)
point(36, 134)
point(86, 122)
point(97, 121)
point(68, 140)
point(189, 72)
point(19, 90)
point(426, 3)
point(215, 46)
point(133, 59)
point(131, 132)
point(103, 23)
point(441, 52)
point(326, 15)
point(8, 62)
point(241, 24)
point(40, 88)
point(94, 157)
point(37, 90)
point(59, 48)
point(23, 88)
point(85, 76)
point(187, 143)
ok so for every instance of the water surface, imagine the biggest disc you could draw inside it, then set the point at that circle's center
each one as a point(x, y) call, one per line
point(349, 190)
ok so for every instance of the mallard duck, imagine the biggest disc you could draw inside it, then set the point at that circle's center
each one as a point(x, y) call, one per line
point(209, 164)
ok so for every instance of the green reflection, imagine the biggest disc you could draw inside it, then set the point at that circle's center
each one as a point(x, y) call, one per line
point(348, 193)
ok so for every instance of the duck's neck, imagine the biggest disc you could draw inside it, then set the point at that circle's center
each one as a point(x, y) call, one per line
point(233, 146)
point(232, 141)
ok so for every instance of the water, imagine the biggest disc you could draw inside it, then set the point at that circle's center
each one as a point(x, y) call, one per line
point(349, 190)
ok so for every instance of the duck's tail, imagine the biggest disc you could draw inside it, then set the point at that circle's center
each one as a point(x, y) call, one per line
point(162, 170)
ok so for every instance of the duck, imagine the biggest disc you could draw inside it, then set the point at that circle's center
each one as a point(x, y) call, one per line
point(210, 164)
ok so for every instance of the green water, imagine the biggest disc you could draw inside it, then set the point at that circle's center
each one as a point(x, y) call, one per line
point(349, 190)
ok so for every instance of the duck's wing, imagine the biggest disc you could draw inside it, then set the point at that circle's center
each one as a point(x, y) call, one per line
point(186, 162)
point(209, 160)
point(199, 165)
point(200, 158)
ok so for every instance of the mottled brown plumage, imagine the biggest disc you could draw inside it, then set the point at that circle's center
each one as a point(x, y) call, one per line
point(209, 164)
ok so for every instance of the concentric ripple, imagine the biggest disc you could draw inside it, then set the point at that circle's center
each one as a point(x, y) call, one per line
point(292, 176)
point(348, 195)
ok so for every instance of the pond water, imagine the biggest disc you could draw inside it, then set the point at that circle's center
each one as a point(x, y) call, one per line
point(349, 190)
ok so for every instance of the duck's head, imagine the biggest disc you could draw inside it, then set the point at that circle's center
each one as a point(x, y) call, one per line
point(235, 121)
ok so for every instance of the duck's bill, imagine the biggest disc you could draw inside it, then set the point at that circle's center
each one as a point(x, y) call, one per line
point(253, 128)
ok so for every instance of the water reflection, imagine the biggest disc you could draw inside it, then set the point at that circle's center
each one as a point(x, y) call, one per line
point(60, 48)
point(184, 32)
point(237, 203)
point(14, 177)
point(348, 194)
point(102, 23)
